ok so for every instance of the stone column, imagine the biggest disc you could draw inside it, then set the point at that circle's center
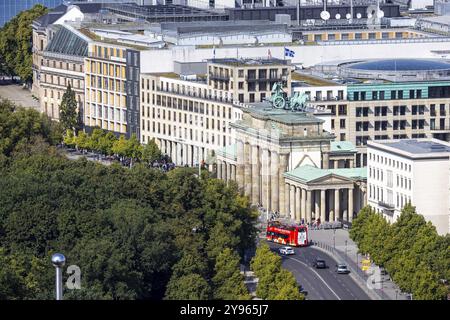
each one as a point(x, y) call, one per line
point(350, 205)
point(298, 192)
point(240, 163)
point(292, 202)
point(337, 213)
point(303, 213)
point(229, 171)
point(274, 175)
point(281, 170)
point(352, 163)
point(330, 206)
point(265, 165)
point(336, 164)
point(308, 206)
point(233, 172)
point(255, 175)
point(287, 208)
point(315, 195)
point(179, 153)
point(195, 157)
point(247, 170)
point(185, 154)
point(323, 205)
point(345, 205)
point(219, 169)
point(224, 171)
point(326, 160)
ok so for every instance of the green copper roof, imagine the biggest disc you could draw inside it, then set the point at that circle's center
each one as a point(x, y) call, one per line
point(309, 173)
point(342, 146)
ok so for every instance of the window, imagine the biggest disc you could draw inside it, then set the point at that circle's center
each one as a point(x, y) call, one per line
point(342, 123)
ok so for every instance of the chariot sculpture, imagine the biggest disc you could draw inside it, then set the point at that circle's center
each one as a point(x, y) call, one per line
point(279, 100)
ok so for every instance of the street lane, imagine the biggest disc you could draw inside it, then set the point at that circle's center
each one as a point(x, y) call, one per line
point(321, 284)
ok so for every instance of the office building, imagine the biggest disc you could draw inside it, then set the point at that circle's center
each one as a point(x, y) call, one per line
point(412, 171)
point(189, 113)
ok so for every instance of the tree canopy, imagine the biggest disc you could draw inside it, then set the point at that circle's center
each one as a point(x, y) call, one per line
point(15, 43)
point(410, 249)
point(135, 233)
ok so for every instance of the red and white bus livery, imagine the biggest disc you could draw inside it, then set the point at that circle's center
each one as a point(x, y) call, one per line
point(292, 235)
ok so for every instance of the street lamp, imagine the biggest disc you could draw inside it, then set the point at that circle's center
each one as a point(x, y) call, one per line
point(58, 261)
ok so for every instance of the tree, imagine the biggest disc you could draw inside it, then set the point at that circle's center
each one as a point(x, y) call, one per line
point(68, 115)
point(69, 139)
point(275, 283)
point(228, 281)
point(151, 152)
point(15, 43)
point(189, 287)
point(120, 146)
point(106, 143)
point(82, 140)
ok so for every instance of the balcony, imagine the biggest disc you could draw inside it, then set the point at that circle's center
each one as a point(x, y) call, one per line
point(218, 77)
point(386, 206)
point(437, 129)
point(265, 78)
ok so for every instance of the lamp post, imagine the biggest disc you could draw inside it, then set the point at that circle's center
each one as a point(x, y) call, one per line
point(58, 261)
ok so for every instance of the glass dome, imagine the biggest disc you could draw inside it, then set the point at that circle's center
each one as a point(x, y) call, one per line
point(401, 65)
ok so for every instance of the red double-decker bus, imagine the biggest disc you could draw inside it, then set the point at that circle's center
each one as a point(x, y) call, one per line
point(292, 235)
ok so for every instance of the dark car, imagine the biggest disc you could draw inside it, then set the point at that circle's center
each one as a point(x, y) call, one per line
point(320, 264)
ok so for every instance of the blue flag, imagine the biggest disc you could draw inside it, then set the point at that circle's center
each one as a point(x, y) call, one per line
point(288, 53)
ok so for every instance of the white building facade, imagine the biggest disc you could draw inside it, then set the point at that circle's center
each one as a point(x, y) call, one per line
point(415, 171)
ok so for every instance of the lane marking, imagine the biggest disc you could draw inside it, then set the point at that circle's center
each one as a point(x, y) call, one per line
point(318, 275)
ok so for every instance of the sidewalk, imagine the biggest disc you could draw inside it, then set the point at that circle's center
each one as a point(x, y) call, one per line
point(338, 243)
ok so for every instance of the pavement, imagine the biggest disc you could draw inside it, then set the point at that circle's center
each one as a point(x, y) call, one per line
point(19, 95)
point(335, 246)
point(338, 243)
point(321, 284)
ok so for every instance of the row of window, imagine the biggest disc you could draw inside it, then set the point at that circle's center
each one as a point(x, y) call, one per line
point(190, 105)
point(61, 81)
point(386, 161)
point(377, 194)
point(394, 95)
point(106, 124)
point(106, 113)
point(107, 98)
point(378, 175)
point(107, 69)
point(189, 134)
point(105, 83)
point(62, 65)
point(185, 118)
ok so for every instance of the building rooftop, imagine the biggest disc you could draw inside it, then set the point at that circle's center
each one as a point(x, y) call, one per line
point(414, 148)
point(342, 147)
point(68, 42)
point(308, 173)
point(401, 65)
point(249, 61)
point(264, 110)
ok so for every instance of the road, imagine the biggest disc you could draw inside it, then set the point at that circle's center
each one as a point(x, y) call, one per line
point(321, 284)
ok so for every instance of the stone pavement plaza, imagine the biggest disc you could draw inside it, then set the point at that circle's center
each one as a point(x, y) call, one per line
point(19, 95)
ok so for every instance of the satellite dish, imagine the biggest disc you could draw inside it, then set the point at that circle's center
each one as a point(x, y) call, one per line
point(338, 16)
point(380, 14)
point(348, 16)
point(325, 15)
point(369, 15)
point(358, 15)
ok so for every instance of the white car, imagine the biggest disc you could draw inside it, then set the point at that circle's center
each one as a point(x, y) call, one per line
point(287, 250)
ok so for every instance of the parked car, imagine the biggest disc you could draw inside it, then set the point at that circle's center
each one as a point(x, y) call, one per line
point(341, 268)
point(320, 264)
point(287, 250)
